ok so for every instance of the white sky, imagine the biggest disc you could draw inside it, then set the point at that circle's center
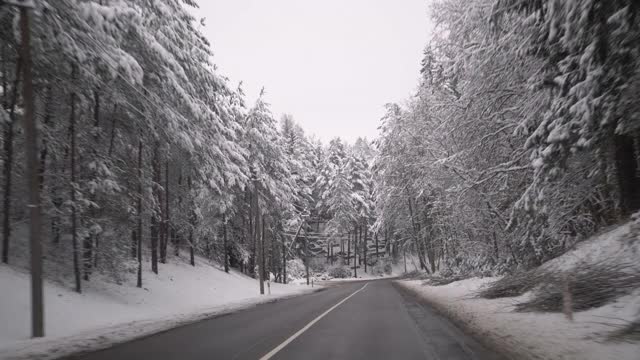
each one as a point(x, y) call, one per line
point(332, 64)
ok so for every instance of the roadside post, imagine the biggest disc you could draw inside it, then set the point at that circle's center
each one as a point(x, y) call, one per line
point(31, 144)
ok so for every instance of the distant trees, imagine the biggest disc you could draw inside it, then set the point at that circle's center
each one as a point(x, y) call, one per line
point(345, 193)
point(520, 140)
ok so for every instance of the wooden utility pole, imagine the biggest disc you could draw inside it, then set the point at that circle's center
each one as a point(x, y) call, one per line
point(31, 145)
point(258, 236)
point(139, 212)
point(306, 258)
point(192, 222)
point(8, 160)
point(263, 259)
point(284, 262)
point(157, 196)
point(225, 246)
point(72, 173)
point(364, 244)
point(349, 248)
point(166, 228)
point(355, 252)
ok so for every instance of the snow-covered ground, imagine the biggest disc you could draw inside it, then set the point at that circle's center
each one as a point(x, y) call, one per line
point(107, 313)
point(396, 270)
point(545, 335)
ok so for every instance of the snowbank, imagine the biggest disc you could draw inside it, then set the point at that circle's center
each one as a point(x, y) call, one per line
point(533, 335)
point(537, 335)
point(107, 313)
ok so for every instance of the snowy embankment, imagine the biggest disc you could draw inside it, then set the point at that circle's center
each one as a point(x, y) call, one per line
point(538, 335)
point(107, 313)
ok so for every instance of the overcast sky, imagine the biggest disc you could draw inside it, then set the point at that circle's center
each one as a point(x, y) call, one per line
point(332, 64)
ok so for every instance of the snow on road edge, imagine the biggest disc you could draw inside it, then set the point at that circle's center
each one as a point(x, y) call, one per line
point(46, 348)
point(529, 335)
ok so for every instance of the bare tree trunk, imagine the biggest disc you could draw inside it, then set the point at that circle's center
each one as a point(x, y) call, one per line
point(162, 236)
point(134, 244)
point(44, 153)
point(404, 255)
point(358, 236)
point(387, 243)
point(377, 251)
point(45, 123)
point(88, 241)
point(139, 211)
point(332, 254)
point(258, 237)
point(8, 164)
point(176, 237)
point(364, 249)
point(417, 240)
point(167, 219)
point(154, 226)
point(192, 222)
point(74, 228)
point(113, 128)
point(328, 252)
point(428, 246)
point(349, 248)
point(192, 253)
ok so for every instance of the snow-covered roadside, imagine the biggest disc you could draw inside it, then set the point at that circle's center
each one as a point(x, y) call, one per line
point(361, 277)
point(533, 335)
point(107, 313)
point(397, 270)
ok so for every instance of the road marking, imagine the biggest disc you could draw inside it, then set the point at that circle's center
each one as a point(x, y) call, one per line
point(270, 354)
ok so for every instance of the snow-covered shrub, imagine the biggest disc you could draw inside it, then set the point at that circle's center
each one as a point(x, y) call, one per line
point(634, 228)
point(339, 272)
point(444, 280)
point(318, 265)
point(388, 268)
point(113, 257)
point(295, 269)
point(512, 285)
point(381, 267)
point(630, 332)
point(372, 261)
point(591, 286)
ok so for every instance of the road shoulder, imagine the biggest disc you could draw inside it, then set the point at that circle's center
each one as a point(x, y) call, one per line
point(472, 342)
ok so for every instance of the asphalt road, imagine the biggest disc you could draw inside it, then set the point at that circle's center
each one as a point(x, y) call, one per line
point(376, 321)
